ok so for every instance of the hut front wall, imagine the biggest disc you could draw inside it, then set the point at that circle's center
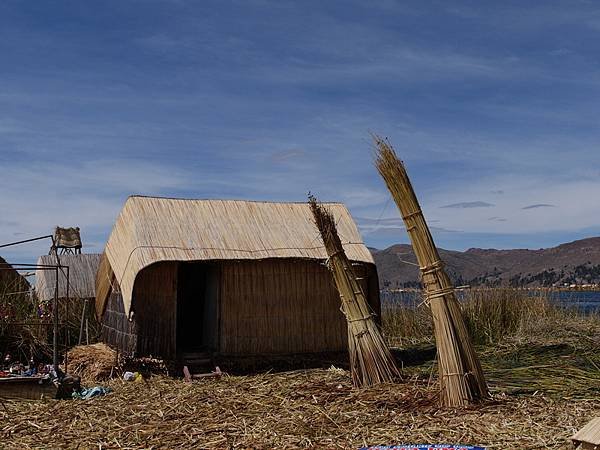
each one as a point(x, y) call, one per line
point(155, 310)
point(280, 306)
point(274, 306)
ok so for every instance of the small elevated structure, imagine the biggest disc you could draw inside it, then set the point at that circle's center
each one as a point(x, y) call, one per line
point(66, 241)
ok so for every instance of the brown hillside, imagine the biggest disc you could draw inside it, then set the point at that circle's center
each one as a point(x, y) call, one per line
point(576, 262)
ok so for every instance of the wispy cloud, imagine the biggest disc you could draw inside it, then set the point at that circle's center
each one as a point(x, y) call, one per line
point(383, 222)
point(286, 155)
point(539, 205)
point(477, 204)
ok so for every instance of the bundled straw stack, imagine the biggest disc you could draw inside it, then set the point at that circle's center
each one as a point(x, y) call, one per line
point(370, 359)
point(461, 375)
point(92, 362)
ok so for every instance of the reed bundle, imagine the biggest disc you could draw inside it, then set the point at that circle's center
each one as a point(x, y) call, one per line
point(92, 363)
point(461, 376)
point(370, 360)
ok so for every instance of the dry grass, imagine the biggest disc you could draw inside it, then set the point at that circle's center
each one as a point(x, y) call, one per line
point(491, 315)
point(303, 409)
point(22, 333)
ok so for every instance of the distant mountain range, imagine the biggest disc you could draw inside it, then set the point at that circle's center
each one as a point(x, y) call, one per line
point(577, 262)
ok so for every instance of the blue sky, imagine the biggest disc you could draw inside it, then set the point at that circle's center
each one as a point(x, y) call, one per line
point(492, 105)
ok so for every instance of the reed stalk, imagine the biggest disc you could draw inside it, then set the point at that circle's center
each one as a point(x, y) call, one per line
point(460, 373)
point(370, 360)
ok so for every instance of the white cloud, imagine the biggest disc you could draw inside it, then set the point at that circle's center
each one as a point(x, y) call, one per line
point(37, 196)
point(576, 205)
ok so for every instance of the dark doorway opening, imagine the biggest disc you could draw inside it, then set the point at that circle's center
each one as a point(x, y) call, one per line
point(197, 312)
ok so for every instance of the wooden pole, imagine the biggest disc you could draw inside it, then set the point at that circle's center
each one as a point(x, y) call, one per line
point(55, 326)
point(83, 312)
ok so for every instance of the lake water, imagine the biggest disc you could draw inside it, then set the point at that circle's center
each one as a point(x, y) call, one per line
point(586, 302)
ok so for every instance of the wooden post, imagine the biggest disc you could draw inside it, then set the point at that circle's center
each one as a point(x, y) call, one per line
point(83, 312)
point(55, 326)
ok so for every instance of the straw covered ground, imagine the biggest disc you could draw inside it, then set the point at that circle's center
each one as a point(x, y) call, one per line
point(545, 385)
point(532, 408)
point(292, 410)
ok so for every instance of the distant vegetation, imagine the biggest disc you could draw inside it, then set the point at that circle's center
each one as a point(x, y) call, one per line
point(492, 315)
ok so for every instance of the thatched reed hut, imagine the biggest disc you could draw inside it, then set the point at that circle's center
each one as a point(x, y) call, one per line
point(224, 276)
point(76, 304)
point(82, 276)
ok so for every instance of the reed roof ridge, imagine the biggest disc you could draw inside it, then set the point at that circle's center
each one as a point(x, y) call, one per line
point(159, 197)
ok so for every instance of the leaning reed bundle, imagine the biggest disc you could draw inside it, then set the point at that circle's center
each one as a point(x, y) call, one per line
point(370, 359)
point(461, 376)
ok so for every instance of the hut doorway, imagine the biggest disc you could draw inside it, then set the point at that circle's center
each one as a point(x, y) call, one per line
point(197, 311)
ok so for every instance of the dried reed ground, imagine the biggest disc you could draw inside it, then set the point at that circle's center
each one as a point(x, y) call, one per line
point(317, 408)
point(545, 382)
point(314, 408)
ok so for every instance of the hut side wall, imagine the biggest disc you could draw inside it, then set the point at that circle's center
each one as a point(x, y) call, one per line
point(117, 331)
point(371, 288)
point(155, 308)
point(280, 306)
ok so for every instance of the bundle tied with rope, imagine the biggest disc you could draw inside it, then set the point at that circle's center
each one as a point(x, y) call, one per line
point(460, 373)
point(370, 360)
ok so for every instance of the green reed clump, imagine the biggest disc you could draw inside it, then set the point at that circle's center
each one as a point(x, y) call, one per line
point(491, 315)
point(26, 324)
point(406, 323)
point(20, 334)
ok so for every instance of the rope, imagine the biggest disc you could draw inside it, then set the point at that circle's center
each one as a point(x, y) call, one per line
point(438, 293)
point(432, 268)
point(411, 214)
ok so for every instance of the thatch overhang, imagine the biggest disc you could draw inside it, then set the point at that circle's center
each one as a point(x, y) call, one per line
point(82, 276)
point(150, 229)
point(11, 280)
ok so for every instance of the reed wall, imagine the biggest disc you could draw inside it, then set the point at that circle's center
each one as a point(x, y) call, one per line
point(155, 308)
point(82, 276)
point(272, 306)
point(282, 306)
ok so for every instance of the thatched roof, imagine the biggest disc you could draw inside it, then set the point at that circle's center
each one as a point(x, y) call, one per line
point(149, 230)
point(10, 279)
point(82, 276)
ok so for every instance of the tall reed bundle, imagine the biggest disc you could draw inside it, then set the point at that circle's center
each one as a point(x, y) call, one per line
point(461, 376)
point(370, 360)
